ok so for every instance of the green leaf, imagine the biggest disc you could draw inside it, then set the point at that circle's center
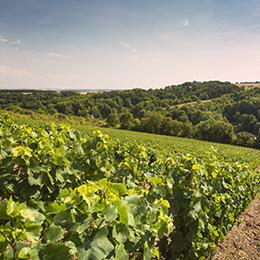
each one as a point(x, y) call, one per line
point(222, 236)
point(6, 230)
point(34, 254)
point(120, 233)
point(14, 208)
point(133, 199)
point(33, 134)
point(3, 214)
point(63, 217)
point(175, 206)
point(9, 253)
point(57, 251)
point(118, 188)
point(148, 252)
point(156, 253)
point(98, 248)
point(159, 192)
point(10, 207)
point(36, 181)
point(30, 192)
point(170, 181)
point(123, 214)
point(214, 175)
point(131, 220)
point(35, 168)
point(166, 203)
point(178, 241)
point(164, 210)
point(141, 209)
point(55, 208)
point(153, 179)
point(193, 214)
point(20, 245)
point(27, 213)
point(197, 207)
point(121, 254)
point(33, 231)
point(71, 245)
point(205, 204)
point(53, 233)
point(109, 212)
point(78, 148)
point(163, 230)
point(84, 222)
point(202, 223)
point(24, 253)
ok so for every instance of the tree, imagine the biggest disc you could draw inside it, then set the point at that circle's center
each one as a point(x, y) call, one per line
point(126, 120)
point(215, 131)
point(95, 112)
point(112, 120)
point(187, 130)
point(244, 139)
point(202, 130)
point(222, 132)
point(154, 123)
point(204, 96)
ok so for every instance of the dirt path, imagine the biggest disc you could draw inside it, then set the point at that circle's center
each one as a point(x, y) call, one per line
point(242, 242)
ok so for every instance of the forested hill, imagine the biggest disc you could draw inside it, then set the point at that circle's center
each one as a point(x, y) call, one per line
point(232, 116)
point(69, 102)
point(186, 92)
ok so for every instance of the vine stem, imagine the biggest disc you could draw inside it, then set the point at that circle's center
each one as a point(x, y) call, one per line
point(11, 244)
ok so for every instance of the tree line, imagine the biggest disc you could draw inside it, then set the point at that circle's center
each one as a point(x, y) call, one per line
point(232, 115)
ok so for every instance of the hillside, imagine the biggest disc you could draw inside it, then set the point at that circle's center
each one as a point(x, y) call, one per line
point(65, 193)
point(232, 116)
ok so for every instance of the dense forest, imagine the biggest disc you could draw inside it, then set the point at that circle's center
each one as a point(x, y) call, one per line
point(230, 115)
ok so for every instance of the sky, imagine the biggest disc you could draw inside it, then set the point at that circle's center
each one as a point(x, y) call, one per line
point(126, 44)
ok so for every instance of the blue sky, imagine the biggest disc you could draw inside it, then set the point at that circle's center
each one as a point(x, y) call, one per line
point(119, 44)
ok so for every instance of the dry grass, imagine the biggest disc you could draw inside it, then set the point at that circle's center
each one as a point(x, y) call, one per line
point(249, 85)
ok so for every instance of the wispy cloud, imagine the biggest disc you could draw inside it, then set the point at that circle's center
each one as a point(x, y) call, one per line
point(133, 50)
point(57, 55)
point(127, 46)
point(2, 39)
point(185, 22)
point(8, 71)
point(16, 42)
point(124, 44)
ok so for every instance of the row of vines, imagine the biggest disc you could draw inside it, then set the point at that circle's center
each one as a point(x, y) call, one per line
point(64, 195)
point(169, 145)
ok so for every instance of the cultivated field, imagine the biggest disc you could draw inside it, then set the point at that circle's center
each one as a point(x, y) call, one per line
point(249, 85)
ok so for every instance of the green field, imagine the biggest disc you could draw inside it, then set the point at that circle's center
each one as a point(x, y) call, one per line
point(175, 145)
point(171, 145)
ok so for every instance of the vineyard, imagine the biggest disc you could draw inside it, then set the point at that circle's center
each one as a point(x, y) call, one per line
point(69, 193)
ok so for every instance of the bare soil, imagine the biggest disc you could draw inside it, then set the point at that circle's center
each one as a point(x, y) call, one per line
point(242, 241)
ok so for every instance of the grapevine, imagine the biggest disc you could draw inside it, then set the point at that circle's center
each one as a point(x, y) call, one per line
point(66, 195)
